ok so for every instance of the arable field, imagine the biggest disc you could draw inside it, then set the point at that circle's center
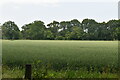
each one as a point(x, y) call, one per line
point(83, 58)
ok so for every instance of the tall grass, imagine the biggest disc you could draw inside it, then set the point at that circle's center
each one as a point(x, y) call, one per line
point(61, 55)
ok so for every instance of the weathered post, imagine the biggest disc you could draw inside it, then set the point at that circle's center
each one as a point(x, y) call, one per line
point(28, 71)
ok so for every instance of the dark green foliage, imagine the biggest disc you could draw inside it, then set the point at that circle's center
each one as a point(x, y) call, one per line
point(34, 31)
point(89, 29)
point(10, 30)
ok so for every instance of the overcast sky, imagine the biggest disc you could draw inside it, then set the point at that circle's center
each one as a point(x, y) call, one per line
point(26, 11)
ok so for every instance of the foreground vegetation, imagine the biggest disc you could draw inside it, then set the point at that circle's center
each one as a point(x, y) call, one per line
point(57, 59)
point(16, 72)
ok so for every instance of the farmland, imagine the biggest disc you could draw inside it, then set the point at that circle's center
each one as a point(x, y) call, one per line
point(60, 56)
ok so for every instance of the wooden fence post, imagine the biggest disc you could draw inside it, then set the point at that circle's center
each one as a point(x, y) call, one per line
point(28, 71)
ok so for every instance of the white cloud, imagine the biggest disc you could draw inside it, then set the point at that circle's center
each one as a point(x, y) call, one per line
point(29, 1)
point(50, 1)
point(90, 0)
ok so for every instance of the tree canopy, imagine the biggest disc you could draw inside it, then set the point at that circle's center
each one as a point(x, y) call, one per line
point(88, 29)
point(10, 30)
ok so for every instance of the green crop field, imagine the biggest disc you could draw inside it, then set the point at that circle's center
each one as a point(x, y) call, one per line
point(60, 56)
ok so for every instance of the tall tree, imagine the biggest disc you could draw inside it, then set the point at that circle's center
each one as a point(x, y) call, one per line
point(34, 30)
point(64, 26)
point(112, 25)
point(10, 30)
point(54, 27)
point(90, 26)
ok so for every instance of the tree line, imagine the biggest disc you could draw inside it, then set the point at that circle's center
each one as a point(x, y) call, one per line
point(88, 29)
